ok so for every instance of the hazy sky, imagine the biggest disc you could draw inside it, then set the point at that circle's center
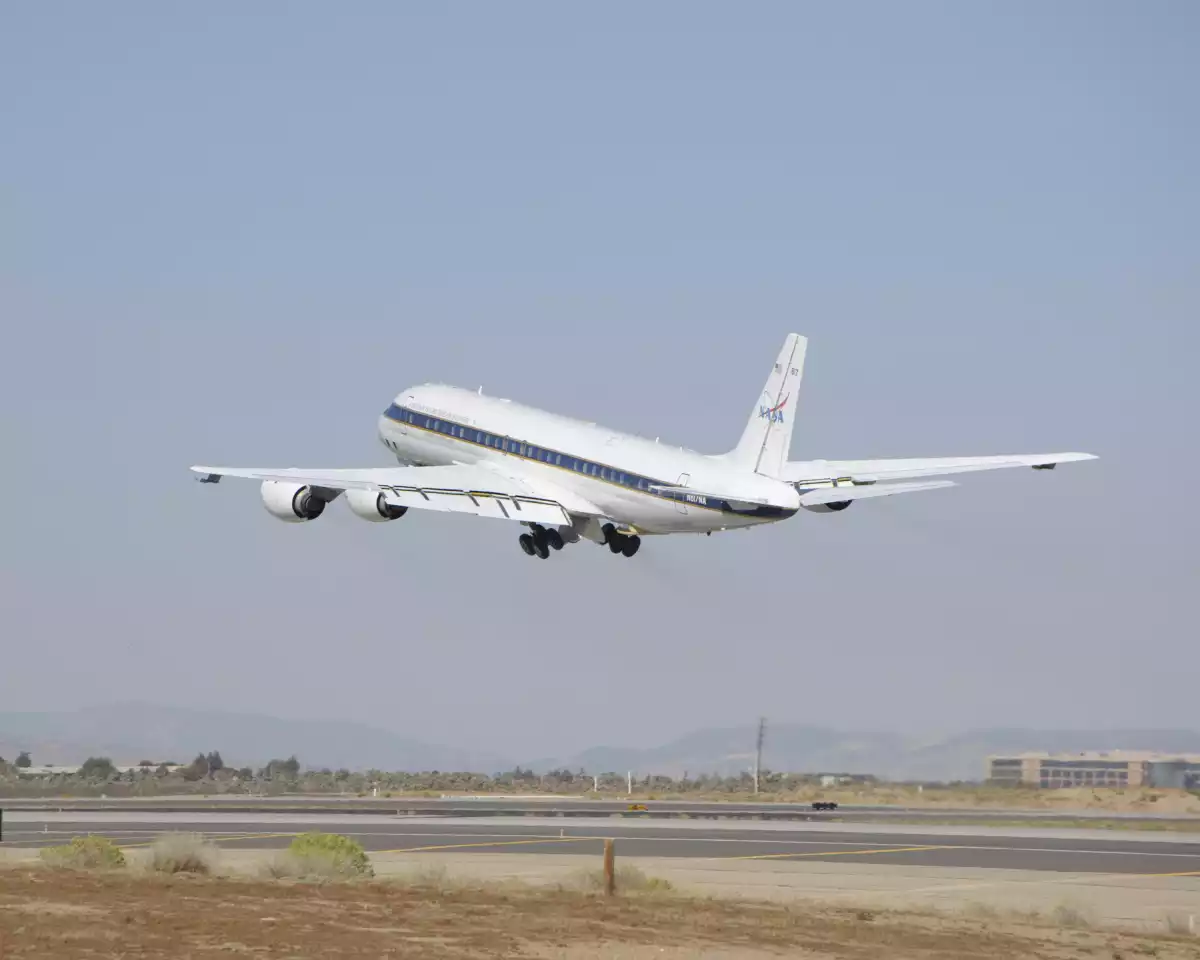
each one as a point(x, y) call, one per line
point(231, 234)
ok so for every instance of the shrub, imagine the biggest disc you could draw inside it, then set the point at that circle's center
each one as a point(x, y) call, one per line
point(322, 856)
point(183, 853)
point(85, 853)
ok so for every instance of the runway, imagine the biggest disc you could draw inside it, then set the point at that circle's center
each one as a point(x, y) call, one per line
point(489, 806)
point(1074, 851)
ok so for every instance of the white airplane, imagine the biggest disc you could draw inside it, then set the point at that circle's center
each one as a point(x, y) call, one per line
point(566, 480)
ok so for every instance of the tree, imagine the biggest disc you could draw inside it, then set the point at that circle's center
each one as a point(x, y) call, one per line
point(97, 768)
point(196, 769)
point(288, 769)
point(215, 762)
point(23, 761)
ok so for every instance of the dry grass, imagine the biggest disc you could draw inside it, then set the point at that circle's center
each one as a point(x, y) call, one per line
point(629, 879)
point(183, 853)
point(72, 916)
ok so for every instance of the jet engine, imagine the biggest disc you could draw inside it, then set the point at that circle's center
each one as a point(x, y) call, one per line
point(294, 502)
point(371, 506)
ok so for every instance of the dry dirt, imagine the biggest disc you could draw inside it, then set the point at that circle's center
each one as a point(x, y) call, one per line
point(48, 914)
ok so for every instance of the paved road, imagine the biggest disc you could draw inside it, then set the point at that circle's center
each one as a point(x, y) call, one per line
point(1062, 850)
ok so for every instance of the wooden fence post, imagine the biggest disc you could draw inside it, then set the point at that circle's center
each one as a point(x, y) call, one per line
point(610, 872)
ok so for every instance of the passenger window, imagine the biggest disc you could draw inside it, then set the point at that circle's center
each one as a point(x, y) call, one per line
point(558, 459)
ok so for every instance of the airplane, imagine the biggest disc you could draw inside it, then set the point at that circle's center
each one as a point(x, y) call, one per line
point(566, 480)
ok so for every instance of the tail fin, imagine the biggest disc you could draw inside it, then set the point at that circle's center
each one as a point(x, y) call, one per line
point(768, 434)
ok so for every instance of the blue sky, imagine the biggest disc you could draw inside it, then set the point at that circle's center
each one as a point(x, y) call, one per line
point(232, 234)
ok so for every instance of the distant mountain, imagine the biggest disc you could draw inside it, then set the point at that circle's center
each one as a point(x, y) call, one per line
point(797, 748)
point(131, 732)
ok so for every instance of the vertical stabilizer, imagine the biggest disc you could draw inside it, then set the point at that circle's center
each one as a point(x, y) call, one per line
point(768, 434)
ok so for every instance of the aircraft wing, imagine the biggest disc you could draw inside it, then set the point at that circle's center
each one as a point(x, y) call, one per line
point(461, 488)
point(816, 472)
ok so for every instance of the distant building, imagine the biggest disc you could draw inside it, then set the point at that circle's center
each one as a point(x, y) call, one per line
point(1117, 768)
point(50, 770)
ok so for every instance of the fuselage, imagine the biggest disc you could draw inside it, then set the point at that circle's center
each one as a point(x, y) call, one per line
point(614, 472)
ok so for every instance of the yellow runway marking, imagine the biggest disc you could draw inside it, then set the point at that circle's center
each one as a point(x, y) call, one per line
point(841, 853)
point(239, 836)
point(494, 843)
point(1186, 873)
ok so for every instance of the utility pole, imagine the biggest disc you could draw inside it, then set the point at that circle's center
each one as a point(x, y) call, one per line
point(758, 745)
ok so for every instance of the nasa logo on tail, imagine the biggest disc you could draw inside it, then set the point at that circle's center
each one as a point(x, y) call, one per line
point(775, 413)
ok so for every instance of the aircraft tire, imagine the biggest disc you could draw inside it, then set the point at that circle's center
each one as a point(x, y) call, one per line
point(543, 551)
point(631, 546)
point(616, 543)
point(526, 542)
point(554, 539)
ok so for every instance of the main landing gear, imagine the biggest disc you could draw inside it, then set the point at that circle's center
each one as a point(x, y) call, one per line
point(540, 541)
point(621, 543)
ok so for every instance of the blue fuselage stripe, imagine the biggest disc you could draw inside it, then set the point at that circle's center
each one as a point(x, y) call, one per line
point(565, 461)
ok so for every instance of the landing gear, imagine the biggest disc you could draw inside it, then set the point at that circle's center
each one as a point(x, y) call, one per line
point(540, 541)
point(621, 543)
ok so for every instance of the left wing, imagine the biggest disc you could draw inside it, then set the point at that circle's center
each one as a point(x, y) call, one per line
point(816, 472)
point(461, 488)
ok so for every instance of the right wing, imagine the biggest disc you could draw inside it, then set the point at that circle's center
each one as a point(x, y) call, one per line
point(818, 472)
point(461, 488)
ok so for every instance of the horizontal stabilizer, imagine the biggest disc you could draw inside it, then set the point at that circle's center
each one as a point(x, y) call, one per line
point(815, 497)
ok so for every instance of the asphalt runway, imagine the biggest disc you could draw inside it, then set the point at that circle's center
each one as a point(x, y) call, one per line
point(572, 807)
point(962, 846)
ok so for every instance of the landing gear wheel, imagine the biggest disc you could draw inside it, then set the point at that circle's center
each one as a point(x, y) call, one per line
point(526, 542)
point(610, 533)
point(543, 551)
point(631, 546)
point(539, 537)
point(616, 543)
point(554, 539)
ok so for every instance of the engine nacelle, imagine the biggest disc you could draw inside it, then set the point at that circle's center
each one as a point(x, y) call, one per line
point(292, 502)
point(371, 506)
point(835, 507)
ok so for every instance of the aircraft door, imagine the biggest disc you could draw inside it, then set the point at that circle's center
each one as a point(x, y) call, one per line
point(683, 481)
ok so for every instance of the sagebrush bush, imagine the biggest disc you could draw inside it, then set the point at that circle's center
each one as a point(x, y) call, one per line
point(183, 853)
point(85, 853)
point(322, 856)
